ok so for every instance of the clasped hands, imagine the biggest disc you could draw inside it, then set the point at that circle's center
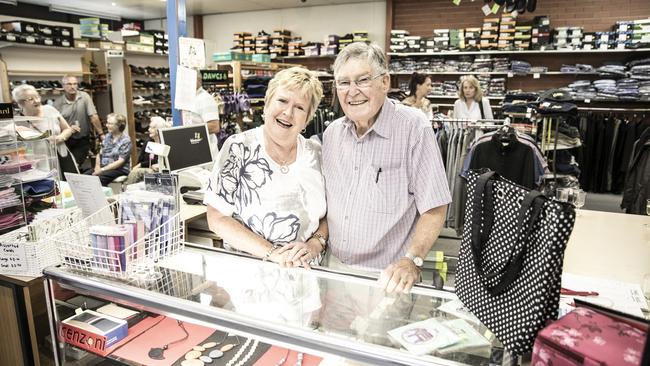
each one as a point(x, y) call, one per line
point(296, 254)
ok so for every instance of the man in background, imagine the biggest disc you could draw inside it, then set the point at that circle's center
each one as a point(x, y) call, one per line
point(78, 109)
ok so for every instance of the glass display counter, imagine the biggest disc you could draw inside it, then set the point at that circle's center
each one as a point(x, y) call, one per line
point(203, 303)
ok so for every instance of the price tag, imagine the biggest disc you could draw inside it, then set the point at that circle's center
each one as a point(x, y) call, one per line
point(486, 10)
point(514, 13)
point(12, 257)
point(510, 74)
point(587, 100)
point(495, 8)
point(114, 53)
point(536, 75)
point(456, 2)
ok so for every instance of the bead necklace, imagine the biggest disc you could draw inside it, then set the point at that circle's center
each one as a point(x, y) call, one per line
point(239, 353)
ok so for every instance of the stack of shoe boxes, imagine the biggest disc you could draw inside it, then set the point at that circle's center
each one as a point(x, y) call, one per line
point(523, 34)
point(568, 38)
point(33, 33)
point(143, 42)
point(541, 39)
point(440, 39)
point(249, 44)
point(262, 43)
point(490, 34)
point(456, 39)
point(238, 41)
point(605, 40)
point(161, 42)
point(331, 45)
point(640, 33)
point(360, 36)
point(507, 32)
point(345, 40)
point(295, 46)
point(414, 44)
point(472, 39)
point(312, 48)
point(589, 41)
point(398, 40)
point(280, 43)
point(89, 27)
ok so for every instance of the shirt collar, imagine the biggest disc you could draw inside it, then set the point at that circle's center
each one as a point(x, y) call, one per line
point(382, 124)
point(76, 98)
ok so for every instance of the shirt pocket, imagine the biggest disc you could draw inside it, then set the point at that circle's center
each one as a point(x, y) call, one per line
point(385, 188)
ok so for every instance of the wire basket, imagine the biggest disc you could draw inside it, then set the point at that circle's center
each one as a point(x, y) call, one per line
point(137, 260)
point(26, 251)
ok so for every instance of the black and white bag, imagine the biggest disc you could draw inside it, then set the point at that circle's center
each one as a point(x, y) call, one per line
point(510, 265)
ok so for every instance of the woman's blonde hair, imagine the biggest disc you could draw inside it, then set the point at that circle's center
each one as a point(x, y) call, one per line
point(473, 82)
point(20, 90)
point(301, 79)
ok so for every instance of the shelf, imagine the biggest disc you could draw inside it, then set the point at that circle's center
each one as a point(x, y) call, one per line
point(449, 72)
point(528, 52)
point(40, 47)
point(456, 97)
point(306, 57)
point(45, 73)
point(140, 53)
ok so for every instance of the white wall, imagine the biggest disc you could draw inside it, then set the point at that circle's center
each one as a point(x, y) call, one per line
point(161, 24)
point(311, 23)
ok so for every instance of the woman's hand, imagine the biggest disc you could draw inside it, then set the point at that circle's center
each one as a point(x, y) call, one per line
point(75, 128)
point(299, 253)
point(97, 171)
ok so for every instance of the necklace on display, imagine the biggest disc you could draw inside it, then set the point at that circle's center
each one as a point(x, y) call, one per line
point(251, 351)
point(157, 353)
point(299, 358)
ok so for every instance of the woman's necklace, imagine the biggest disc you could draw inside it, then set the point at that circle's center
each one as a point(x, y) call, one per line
point(284, 166)
point(157, 353)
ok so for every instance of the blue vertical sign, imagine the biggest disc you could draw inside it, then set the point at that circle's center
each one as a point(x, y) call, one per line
point(176, 27)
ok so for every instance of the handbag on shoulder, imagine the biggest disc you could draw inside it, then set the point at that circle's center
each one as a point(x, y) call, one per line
point(510, 263)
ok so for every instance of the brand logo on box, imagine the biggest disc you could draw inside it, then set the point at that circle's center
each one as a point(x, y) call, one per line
point(197, 138)
point(82, 339)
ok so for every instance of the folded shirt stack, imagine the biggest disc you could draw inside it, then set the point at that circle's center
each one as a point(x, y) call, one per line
point(520, 67)
point(640, 72)
point(497, 87)
point(612, 70)
point(501, 64)
point(628, 89)
point(644, 91)
point(450, 88)
point(437, 88)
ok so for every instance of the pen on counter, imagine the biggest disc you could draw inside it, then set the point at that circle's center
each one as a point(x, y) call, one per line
point(377, 178)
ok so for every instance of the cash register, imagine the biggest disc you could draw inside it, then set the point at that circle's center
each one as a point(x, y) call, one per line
point(190, 157)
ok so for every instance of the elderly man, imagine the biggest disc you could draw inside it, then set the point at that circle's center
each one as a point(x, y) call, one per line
point(386, 186)
point(78, 109)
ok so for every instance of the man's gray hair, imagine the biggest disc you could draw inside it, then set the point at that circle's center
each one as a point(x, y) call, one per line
point(371, 53)
point(65, 78)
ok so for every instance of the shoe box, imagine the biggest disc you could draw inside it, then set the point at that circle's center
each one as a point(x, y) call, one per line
point(34, 33)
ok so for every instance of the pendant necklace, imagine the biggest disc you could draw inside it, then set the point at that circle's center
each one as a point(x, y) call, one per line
point(284, 166)
point(157, 353)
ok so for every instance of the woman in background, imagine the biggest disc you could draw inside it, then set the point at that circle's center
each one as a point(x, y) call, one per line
point(147, 162)
point(471, 104)
point(114, 158)
point(29, 101)
point(419, 88)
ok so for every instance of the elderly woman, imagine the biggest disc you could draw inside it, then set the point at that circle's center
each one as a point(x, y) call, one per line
point(266, 196)
point(471, 104)
point(419, 88)
point(29, 102)
point(147, 162)
point(114, 157)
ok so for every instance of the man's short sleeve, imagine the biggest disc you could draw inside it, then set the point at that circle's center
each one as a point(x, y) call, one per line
point(208, 109)
point(224, 180)
point(427, 177)
point(90, 106)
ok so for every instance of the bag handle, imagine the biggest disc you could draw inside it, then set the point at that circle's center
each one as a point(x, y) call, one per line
point(479, 238)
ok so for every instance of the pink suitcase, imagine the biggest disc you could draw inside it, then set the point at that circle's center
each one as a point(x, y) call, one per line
point(593, 337)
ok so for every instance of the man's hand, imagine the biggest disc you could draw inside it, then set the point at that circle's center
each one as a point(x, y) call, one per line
point(399, 276)
point(97, 171)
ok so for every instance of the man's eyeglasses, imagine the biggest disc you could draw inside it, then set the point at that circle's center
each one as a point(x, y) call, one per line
point(362, 83)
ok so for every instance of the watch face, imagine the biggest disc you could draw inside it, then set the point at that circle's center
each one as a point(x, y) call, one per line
point(418, 261)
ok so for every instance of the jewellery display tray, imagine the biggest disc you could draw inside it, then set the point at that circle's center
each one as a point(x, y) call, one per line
point(302, 310)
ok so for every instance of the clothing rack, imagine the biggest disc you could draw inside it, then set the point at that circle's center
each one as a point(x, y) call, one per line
point(631, 110)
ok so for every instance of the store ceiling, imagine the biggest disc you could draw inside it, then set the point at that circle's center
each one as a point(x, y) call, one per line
point(153, 9)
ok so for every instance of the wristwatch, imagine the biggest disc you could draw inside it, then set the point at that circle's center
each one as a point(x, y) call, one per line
point(321, 239)
point(417, 260)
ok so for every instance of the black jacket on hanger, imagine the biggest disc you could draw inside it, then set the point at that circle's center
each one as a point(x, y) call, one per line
point(637, 179)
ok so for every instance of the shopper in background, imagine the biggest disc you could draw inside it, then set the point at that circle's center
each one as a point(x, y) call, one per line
point(147, 162)
point(115, 156)
point(419, 88)
point(29, 102)
point(204, 110)
point(78, 109)
point(471, 104)
point(266, 196)
point(386, 185)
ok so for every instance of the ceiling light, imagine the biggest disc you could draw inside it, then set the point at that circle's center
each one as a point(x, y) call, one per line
point(113, 4)
point(90, 13)
point(9, 2)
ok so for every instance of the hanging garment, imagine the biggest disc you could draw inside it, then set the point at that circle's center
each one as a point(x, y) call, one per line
point(637, 180)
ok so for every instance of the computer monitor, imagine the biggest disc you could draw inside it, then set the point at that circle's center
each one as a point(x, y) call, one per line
point(188, 146)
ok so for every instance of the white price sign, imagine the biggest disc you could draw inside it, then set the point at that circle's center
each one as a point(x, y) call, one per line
point(191, 52)
point(12, 257)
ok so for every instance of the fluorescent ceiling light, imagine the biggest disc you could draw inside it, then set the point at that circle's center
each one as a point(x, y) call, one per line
point(9, 2)
point(84, 12)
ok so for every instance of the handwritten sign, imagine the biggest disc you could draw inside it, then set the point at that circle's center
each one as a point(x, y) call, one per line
point(12, 257)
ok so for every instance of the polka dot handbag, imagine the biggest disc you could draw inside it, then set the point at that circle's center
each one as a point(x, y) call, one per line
point(510, 265)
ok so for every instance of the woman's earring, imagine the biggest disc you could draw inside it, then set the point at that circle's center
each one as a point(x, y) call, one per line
point(304, 130)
